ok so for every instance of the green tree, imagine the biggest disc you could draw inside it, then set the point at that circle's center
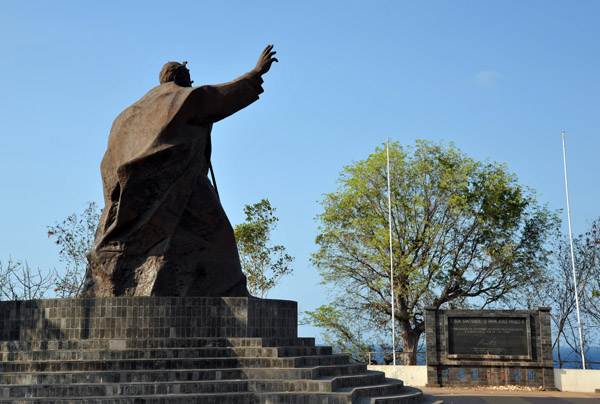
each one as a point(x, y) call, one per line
point(75, 236)
point(264, 264)
point(465, 234)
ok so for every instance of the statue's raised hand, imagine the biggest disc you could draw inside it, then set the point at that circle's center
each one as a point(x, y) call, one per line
point(265, 60)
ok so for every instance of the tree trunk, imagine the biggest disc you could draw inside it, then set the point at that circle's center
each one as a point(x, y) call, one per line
point(410, 343)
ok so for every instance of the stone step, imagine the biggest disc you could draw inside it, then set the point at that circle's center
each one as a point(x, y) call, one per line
point(284, 351)
point(134, 376)
point(127, 389)
point(230, 398)
point(164, 353)
point(194, 387)
point(287, 341)
point(105, 344)
point(294, 361)
point(351, 395)
point(315, 372)
point(166, 375)
point(389, 387)
point(366, 379)
point(409, 395)
point(322, 385)
point(180, 363)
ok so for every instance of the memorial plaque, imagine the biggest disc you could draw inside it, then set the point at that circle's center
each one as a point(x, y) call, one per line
point(489, 347)
point(488, 337)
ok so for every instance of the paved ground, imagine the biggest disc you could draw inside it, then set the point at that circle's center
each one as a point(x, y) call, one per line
point(486, 396)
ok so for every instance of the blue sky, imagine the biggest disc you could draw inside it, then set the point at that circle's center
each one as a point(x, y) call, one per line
point(501, 79)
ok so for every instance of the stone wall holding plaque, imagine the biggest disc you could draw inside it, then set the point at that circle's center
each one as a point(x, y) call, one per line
point(489, 347)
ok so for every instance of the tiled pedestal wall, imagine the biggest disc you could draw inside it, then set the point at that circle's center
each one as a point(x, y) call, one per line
point(158, 350)
point(444, 371)
point(146, 317)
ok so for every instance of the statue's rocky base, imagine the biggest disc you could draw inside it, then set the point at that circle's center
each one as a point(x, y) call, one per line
point(175, 350)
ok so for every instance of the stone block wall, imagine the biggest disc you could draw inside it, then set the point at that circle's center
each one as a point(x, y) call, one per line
point(147, 317)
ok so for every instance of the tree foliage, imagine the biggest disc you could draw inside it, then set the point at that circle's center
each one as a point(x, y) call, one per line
point(75, 236)
point(464, 234)
point(263, 263)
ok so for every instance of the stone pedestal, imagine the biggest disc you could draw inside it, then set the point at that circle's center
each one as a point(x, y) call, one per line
point(175, 350)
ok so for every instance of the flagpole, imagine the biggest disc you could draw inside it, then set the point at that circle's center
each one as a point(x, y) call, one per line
point(572, 253)
point(391, 250)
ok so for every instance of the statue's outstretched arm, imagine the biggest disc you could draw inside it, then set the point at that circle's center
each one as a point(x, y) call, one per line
point(209, 104)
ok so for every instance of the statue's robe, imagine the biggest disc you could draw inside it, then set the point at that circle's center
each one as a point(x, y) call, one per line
point(163, 231)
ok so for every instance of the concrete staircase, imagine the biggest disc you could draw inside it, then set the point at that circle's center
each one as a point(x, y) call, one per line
point(50, 362)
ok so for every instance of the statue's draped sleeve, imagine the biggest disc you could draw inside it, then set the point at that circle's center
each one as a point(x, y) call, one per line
point(209, 104)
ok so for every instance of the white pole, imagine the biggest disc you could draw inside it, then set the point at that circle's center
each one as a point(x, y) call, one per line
point(391, 250)
point(573, 254)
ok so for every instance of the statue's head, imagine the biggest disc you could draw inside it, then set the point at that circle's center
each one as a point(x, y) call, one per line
point(176, 72)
